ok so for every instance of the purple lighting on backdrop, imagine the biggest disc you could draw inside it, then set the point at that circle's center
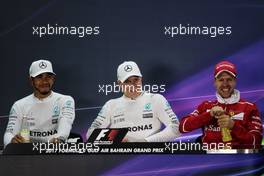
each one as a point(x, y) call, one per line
point(250, 71)
point(184, 97)
point(184, 164)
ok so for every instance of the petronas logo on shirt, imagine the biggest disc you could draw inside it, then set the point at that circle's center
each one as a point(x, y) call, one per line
point(148, 106)
point(56, 111)
point(168, 104)
point(68, 103)
point(12, 112)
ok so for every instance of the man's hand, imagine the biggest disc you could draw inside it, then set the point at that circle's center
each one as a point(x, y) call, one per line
point(224, 121)
point(54, 140)
point(57, 140)
point(125, 140)
point(17, 139)
point(217, 111)
point(133, 139)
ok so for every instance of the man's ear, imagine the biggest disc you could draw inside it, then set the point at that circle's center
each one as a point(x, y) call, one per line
point(215, 82)
point(120, 85)
point(235, 81)
point(119, 82)
point(54, 77)
point(30, 80)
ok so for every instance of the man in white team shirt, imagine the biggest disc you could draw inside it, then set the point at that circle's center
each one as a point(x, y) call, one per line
point(49, 114)
point(141, 112)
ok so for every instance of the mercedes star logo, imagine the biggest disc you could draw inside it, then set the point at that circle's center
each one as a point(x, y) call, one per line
point(128, 68)
point(42, 65)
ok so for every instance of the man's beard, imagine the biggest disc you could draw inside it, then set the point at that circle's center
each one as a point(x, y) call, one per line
point(43, 92)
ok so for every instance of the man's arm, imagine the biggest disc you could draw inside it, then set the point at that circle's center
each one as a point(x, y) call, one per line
point(67, 116)
point(14, 124)
point(102, 120)
point(251, 135)
point(168, 118)
point(197, 119)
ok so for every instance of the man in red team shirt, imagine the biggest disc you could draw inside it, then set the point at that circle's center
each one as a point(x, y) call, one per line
point(229, 120)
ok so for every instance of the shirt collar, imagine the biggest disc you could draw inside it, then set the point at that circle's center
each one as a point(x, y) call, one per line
point(43, 99)
point(134, 99)
point(235, 97)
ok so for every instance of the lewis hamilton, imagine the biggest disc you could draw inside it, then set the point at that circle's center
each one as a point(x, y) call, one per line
point(49, 114)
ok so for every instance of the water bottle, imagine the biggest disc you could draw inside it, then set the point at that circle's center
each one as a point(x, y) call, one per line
point(24, 132)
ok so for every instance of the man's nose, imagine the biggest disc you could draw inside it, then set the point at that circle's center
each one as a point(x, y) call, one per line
point(225, 82)
point(135, 83)
point(44, 79)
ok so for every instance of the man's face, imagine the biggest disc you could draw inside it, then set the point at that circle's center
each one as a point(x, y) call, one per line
point(43, 83)
point(225, 84)
point(132, 86)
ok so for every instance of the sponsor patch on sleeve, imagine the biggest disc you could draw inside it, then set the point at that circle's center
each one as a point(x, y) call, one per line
point(239, 116)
